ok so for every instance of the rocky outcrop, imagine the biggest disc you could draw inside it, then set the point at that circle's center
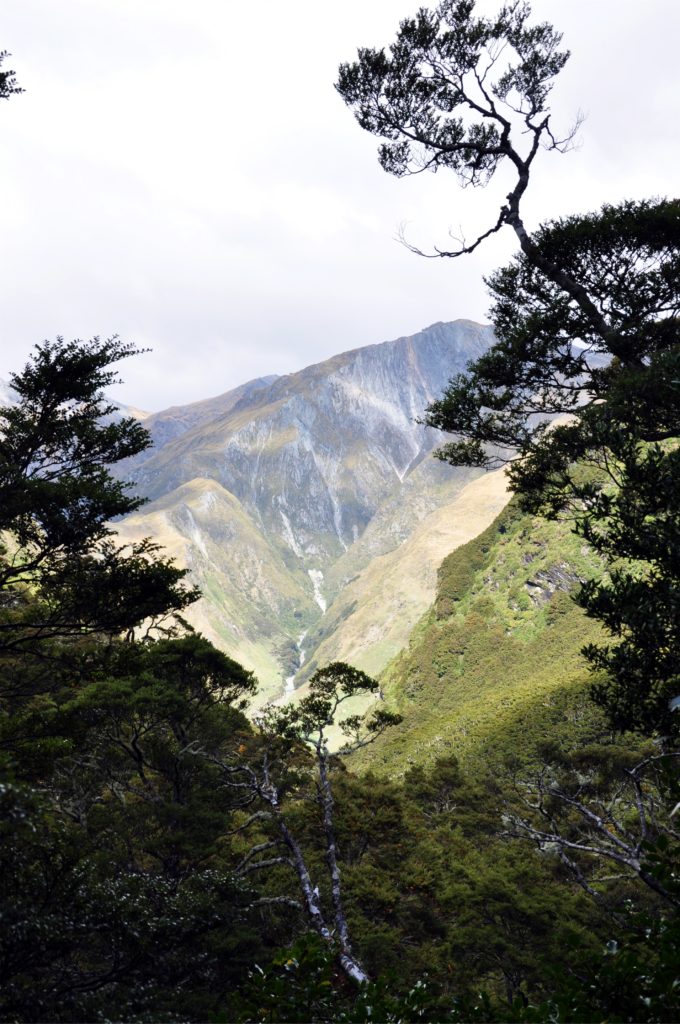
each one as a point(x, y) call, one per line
point(545, 583)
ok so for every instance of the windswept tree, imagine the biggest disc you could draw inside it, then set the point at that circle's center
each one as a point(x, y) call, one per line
point(469, 95)
point(587, 322)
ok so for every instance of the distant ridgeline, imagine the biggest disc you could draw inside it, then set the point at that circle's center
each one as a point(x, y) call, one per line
point(494, 667)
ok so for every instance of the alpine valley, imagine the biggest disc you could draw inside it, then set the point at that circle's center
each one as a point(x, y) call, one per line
point(309, 509)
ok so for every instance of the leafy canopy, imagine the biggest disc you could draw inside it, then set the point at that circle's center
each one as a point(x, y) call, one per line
point(61, 572)
point(463, 93)
point(611, 461)
point(552, 359)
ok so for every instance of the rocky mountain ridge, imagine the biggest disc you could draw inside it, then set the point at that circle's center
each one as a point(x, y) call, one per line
point(341, 432)
point(280, 494)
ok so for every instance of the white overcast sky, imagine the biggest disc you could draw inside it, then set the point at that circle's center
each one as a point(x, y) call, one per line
point(185, 175)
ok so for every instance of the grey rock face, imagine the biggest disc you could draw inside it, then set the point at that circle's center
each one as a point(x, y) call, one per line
point(313, 455)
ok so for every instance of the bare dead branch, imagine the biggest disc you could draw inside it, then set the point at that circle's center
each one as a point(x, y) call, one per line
point(463, 250)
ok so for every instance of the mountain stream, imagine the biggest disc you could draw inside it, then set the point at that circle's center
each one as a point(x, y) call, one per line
point(289, 687)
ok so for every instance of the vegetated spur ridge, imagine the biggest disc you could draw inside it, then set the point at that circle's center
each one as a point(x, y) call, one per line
point(276, 496)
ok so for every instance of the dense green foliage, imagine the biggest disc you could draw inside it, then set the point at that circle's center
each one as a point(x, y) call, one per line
point(158, 851)
point(156, 848)
point(632, 977)
point(496, 662)
point(613, 468)
point(113, 881)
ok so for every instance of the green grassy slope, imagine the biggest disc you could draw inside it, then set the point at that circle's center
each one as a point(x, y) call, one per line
point(494, 667)
point(375, 612)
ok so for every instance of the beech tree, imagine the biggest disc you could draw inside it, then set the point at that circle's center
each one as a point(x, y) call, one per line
point(586, 318)
point(552, 359)
point(61, 572)
point(115, 879)
point(469, 95)
point(277, 774)
point(612, 466)
point(602, 809)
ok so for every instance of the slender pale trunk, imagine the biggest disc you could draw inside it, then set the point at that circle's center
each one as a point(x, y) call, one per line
point(348, 961)
point(352, 967)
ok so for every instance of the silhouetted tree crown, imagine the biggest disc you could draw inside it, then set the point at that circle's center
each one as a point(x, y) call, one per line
point(61, 571)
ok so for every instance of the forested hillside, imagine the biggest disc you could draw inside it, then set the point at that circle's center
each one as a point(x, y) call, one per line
point(487, 819)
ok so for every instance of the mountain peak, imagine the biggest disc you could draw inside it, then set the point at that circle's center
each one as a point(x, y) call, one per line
point(325, 469)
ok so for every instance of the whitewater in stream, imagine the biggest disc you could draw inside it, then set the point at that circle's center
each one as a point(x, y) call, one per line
point(289, 687)
point(316, 576)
